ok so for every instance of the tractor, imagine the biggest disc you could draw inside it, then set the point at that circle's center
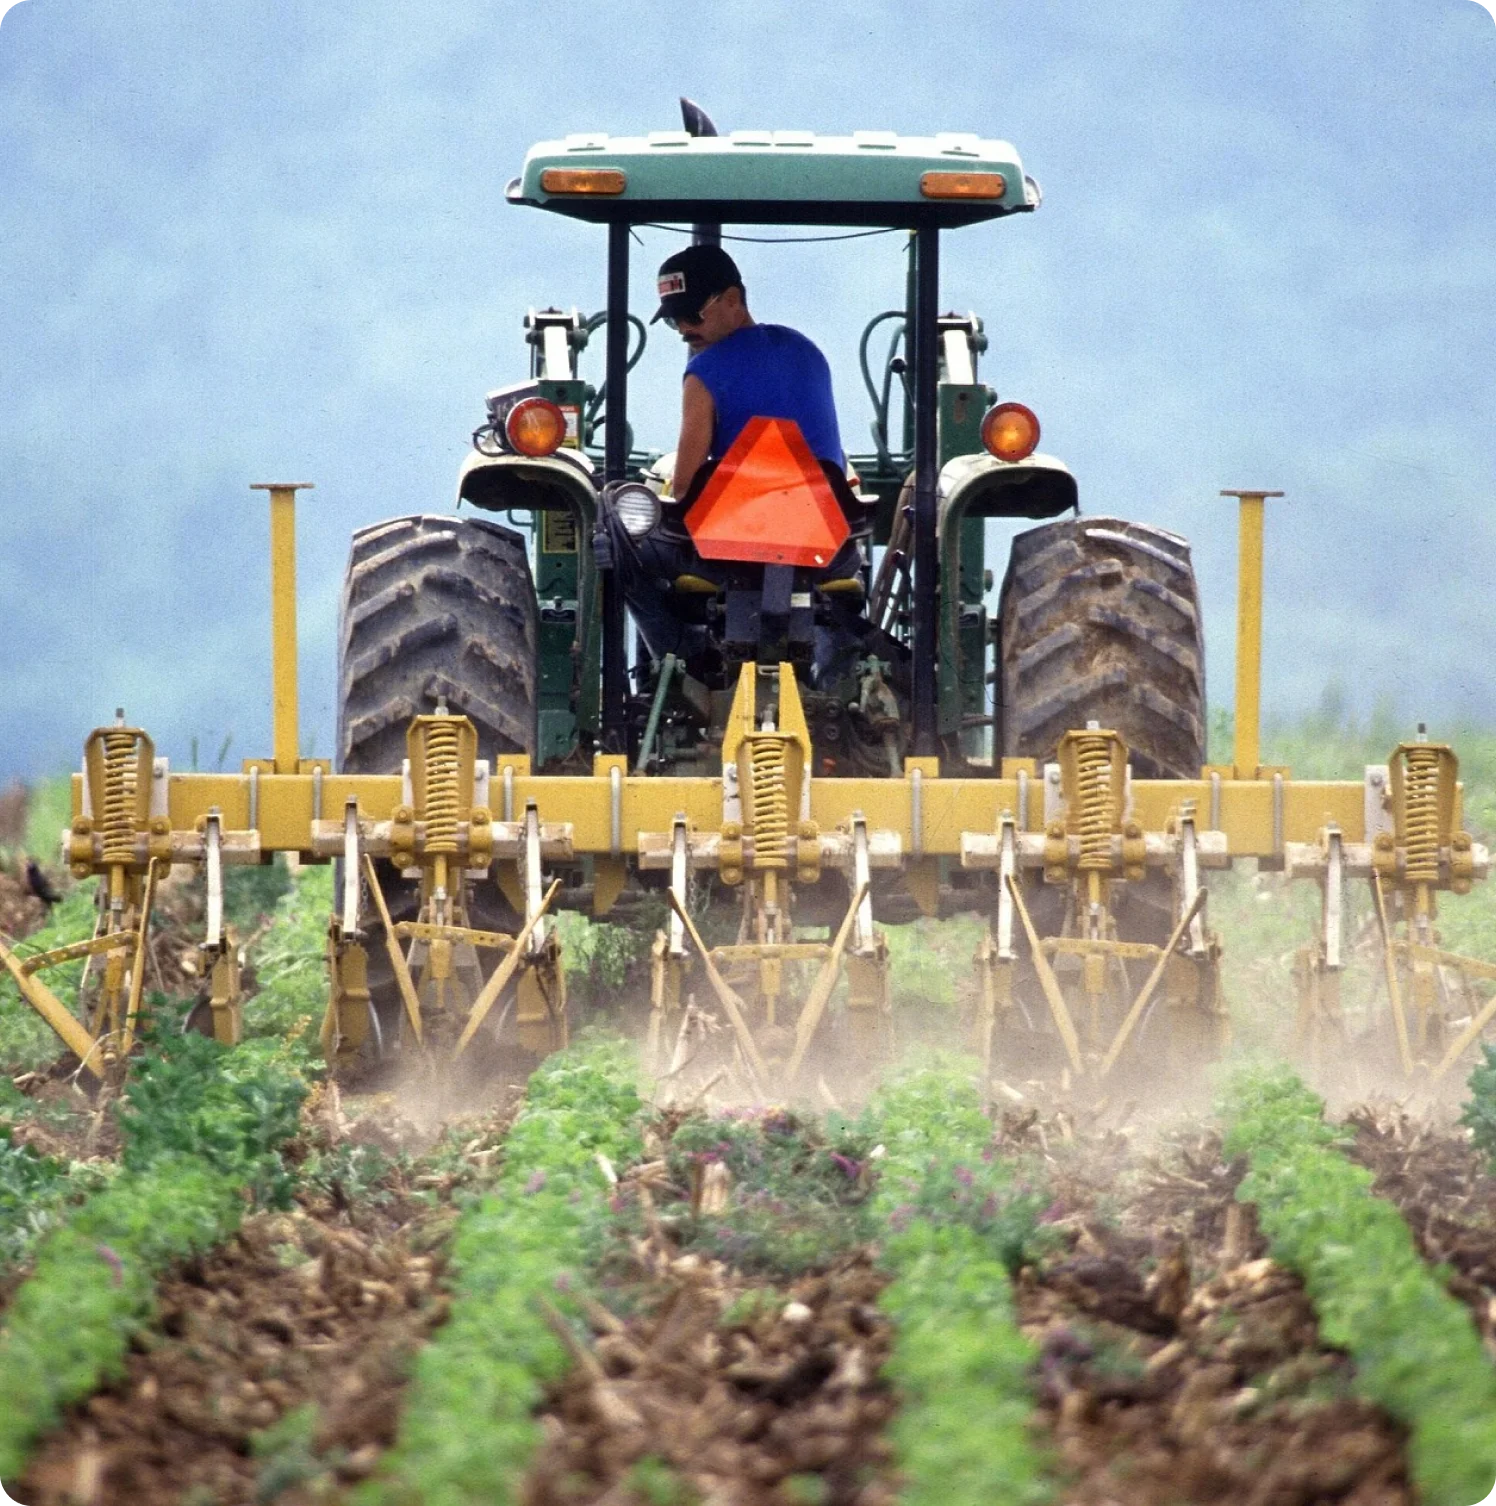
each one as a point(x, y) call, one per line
point(842, 739)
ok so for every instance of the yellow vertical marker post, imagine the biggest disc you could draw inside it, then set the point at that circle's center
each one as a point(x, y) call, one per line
point(283, 618)
point(1247, 744)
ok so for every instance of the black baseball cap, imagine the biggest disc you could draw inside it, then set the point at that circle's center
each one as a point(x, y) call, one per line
point(690, 277)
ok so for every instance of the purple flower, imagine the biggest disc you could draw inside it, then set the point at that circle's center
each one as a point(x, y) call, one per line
point(1056, 1211)
point(963, 1176)
point(847, 1166)
point(536, 1182)
point(901, 1217)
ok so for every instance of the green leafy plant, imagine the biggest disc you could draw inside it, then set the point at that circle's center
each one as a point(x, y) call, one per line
point(959, 1358)
point(36, 1192)
point(1479, 1115)
point(202, 1129)
point(468, 1430)
point(1416, 1352)
point(799, 1193)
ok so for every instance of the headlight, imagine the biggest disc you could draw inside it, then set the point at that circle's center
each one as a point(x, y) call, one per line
point(637, 507)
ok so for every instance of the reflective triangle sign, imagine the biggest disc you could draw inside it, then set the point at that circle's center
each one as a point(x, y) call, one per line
point(768, 502)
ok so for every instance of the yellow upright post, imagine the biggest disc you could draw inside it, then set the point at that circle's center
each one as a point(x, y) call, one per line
point(1247, 744)
point(283, 618)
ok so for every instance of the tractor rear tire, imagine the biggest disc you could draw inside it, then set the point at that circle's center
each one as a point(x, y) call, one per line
point(1101, 622)
point(434, 609)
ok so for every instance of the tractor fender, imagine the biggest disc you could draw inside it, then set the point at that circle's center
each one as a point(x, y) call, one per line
point(982, 486)
point(524, 483)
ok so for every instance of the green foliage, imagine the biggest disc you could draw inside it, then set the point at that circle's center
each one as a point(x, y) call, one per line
point(1416, 1351)
point(654, 1483)
point(70, 1322)
point(35, 1190)
point(202, 1127)
point(929, 961)
point(49, 811)
point(798, 1190)
point(959, 1360)
point(468, 1429)
point(291, 967)
point(229, 1107)
point(599, 956)
point(252, 893)
point(288, 1460)
point(26, 1041)
point(1479, 1114)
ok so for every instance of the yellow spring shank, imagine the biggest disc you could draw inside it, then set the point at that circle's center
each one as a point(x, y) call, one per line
point(120, 769)
point(443, 797)
point(770, 800)
point(1096, 815)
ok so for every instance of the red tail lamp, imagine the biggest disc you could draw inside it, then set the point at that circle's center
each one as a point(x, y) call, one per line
point(1010, 431)
point(535, 426)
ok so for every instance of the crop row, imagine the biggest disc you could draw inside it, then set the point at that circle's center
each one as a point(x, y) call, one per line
point(201, 1131)
point(468, 1430)
point(1416, 1351)
point(956, 1224)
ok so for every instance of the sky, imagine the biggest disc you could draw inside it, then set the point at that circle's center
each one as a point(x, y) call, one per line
point(268, 242)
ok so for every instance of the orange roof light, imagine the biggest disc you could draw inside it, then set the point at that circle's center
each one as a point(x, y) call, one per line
point(602, 180)
point(535, 427)
point(963, 185)
point(768, 501)
point(1010, 431)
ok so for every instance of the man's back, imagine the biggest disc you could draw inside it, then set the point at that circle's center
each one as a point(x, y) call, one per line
point(769, 371)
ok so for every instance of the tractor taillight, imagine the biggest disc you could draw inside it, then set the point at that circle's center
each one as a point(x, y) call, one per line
point(535, 426)
point(1010, 431)
point(598, 180)
point(963, 185)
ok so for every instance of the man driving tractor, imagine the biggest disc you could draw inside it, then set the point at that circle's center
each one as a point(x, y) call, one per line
point(739, 369)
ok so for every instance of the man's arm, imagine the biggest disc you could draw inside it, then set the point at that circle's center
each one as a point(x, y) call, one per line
point(698, 416)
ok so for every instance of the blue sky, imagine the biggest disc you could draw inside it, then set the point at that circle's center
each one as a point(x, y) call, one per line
point(262, 242)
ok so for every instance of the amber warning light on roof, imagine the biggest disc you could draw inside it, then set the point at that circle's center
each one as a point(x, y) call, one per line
point(596, 180)
point(768, 501)
point(963, 185)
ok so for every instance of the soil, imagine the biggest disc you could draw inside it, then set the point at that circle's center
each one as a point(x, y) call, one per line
point(21, 912)
point(735, 1388)
point(322, 1307)
point(1446, 1192)
point(1177, 1363)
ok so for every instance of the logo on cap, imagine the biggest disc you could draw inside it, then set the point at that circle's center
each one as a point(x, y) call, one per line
point(672, 282)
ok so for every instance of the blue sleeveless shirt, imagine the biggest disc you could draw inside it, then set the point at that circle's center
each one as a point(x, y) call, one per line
point(769, 371)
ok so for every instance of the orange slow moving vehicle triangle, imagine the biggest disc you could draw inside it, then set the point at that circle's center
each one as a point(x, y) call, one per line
point(768, 501)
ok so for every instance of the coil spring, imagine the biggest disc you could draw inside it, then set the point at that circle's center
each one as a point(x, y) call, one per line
point(1094, 814)
point(771, 802)
point(441, 786)
point(120, 784)
point(1421, 814)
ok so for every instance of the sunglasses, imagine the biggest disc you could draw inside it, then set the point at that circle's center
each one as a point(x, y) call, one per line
point(675, 324)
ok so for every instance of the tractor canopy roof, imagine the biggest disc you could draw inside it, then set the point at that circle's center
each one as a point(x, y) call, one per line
point(778, 177)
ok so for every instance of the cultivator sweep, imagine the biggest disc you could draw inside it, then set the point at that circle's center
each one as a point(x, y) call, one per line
point(816, 734)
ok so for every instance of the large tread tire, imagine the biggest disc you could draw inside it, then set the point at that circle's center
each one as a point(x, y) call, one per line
point(434, 608)
point(1101, 622)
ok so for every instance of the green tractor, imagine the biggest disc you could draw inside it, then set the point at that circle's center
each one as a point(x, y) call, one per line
point(527, 634)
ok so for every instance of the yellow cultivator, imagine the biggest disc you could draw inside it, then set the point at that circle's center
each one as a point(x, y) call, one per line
point(1046, 854)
